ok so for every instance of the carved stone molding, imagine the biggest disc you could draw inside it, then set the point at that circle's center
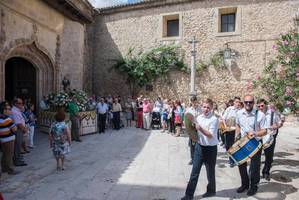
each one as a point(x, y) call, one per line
point(34, 32)
point(41, 59)
point(78, 10)
point(58, 52)
point(2, 26)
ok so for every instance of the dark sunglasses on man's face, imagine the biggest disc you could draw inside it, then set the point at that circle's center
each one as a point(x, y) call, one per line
point(261, 106)
point(248, 102)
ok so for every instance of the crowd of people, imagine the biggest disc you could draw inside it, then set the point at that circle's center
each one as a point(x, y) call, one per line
point(17, 123)
point(239, 118)
point(140, 113)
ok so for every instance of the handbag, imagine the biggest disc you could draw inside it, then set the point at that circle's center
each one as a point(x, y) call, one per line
point(177, 119)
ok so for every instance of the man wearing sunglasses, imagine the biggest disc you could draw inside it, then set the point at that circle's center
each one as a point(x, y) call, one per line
point(205, 151)
point(250, 122)
point(274, 122)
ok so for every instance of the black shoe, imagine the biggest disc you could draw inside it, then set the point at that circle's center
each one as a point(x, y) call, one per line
point(21, 164)
point(252, 191)
point(187, 198)
point(190, 162)
point(266, 176)
point(231, 165)
point(242, 188)
point(208, 194)
point(13, 172)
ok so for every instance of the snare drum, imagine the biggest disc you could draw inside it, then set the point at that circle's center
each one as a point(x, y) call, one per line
point(244, 149)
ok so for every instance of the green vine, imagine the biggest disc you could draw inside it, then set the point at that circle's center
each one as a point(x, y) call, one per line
point(145, 67)
point(216, 60)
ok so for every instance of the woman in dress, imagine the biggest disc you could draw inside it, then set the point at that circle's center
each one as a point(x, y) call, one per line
point(178, 116)
point(60, 139)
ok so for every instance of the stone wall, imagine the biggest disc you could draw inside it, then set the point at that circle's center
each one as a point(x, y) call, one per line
point(57, 38)
point(261, 22)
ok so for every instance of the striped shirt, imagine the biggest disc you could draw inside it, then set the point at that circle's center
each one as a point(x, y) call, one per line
point(7, 129)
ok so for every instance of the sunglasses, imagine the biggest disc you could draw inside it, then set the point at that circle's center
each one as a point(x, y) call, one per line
point(261, 106)
point(248, 102)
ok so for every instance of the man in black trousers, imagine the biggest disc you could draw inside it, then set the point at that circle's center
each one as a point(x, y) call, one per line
point(252, 123)
point(102, 110)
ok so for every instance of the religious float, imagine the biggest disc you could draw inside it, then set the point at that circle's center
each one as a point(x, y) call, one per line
point(60, 100)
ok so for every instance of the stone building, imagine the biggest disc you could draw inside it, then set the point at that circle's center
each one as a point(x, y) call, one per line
point(40, 42)
point(247, 27)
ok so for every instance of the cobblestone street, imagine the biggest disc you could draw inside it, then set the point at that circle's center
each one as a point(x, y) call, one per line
point(141, 165)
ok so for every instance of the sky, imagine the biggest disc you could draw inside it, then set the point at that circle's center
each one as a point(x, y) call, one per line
point(107, 3)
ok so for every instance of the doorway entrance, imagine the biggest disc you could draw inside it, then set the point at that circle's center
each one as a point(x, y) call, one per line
point(20, 79)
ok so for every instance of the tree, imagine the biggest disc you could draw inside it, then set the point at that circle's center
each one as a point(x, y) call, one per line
point(280, 79)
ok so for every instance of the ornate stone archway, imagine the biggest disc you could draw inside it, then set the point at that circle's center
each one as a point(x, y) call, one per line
point(47, 73)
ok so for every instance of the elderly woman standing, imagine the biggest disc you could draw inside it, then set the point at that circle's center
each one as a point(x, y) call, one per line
point(60, 139)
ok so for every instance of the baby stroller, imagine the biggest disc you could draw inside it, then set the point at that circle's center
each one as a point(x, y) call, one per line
point(156, 120)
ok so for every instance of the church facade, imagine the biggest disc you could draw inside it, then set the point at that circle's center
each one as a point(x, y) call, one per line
point(41, 41)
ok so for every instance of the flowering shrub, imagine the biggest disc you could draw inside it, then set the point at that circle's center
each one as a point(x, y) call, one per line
point(280, 79)
point(62, 99)
point(81, 99)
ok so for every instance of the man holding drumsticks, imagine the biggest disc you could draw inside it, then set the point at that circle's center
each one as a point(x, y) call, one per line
point(252, 123)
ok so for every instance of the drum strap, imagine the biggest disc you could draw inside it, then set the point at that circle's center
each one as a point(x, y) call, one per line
point(271, 120)
point(255, 120)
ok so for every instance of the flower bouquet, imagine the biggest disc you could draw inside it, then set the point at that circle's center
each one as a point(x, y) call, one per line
point(62, 99)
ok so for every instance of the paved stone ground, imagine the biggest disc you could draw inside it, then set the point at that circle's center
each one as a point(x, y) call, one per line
point(134, 164)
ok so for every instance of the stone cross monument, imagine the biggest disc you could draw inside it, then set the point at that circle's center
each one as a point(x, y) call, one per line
point(192, 78)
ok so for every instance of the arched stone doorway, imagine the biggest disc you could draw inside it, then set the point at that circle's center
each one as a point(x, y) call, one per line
point(20, 79)
point(36, 60)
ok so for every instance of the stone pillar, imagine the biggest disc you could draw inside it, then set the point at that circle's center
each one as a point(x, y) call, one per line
point(193, 59)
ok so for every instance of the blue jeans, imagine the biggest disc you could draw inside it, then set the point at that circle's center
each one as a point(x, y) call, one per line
point(203, 155)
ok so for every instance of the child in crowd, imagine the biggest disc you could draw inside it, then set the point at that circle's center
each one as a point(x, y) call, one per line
point(31, 122)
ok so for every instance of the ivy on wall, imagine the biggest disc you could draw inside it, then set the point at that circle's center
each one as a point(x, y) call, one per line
point(215, 60)
point(143, 68)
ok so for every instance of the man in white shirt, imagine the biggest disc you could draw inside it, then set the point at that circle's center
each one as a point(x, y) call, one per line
point(229, 118)
point(274, 123)
point(250, 122)
point(205, 151)
point(102, 110)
